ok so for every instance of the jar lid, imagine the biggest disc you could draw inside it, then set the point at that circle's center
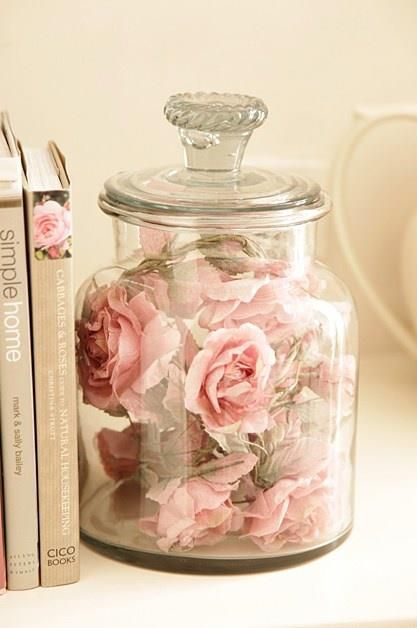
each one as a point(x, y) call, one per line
point(212, 190)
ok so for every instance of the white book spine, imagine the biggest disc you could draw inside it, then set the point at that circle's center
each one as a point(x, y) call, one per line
point(17, 408)
point(55, 392)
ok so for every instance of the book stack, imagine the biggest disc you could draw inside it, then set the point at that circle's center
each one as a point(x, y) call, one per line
point(37, 369)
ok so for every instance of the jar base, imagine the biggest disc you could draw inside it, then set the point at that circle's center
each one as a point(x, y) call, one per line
point(210, 566)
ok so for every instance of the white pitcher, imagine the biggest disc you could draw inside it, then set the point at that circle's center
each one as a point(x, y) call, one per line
point(365, 120)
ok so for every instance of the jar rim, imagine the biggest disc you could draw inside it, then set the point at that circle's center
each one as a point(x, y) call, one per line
point(294, 201)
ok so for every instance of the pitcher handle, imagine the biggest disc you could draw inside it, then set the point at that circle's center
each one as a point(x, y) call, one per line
point(367, 118)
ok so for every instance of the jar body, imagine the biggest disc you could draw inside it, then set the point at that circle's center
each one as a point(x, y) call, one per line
point(217, 399)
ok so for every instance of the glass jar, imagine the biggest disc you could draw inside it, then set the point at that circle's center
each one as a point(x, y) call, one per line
point(217, 362)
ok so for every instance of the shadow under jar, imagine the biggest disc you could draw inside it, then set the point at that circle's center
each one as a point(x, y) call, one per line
point(216, 361)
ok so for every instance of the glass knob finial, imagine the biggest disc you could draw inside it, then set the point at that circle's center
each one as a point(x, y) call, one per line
point(215, 113)
point(215, 128)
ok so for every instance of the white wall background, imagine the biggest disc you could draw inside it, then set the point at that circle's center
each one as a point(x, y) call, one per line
point(94, 75)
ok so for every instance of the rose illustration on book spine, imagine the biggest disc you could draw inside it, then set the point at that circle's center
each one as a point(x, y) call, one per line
point(222, 393)
point(52, 226)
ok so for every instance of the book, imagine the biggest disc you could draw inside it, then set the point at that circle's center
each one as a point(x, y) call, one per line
point(2, 549)
point(16, 405)
point(49, 228)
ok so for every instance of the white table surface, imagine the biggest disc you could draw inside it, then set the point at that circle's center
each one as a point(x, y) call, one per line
point(371, 580)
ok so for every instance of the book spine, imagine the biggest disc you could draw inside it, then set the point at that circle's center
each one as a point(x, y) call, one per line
point(55, 388)
point(2, 549)
point(16, 405)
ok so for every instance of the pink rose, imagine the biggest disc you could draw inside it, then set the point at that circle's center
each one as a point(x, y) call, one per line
point(197, 511)
point(190, 514)
point(227, 380)
point(119, 451)
point(278, 305)
point(51, 224)
point(124, 349)
point(293, 511)
point(302, 506)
